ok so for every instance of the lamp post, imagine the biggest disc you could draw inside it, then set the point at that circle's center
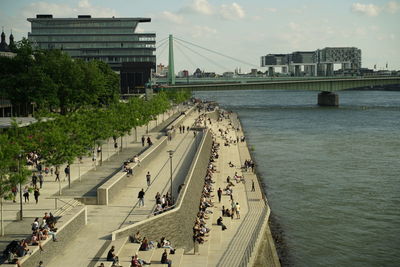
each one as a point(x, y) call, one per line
point(171, 153)
point(20, 187)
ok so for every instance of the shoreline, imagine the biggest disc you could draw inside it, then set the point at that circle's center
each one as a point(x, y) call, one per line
point(272, 236)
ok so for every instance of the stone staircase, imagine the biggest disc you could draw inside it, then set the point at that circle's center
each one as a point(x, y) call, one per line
point(67, 206)
point(125, 250)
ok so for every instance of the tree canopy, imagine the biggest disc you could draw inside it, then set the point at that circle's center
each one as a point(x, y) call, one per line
point(54, 81)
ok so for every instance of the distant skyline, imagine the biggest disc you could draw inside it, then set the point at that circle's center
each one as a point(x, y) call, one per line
point(242, 29)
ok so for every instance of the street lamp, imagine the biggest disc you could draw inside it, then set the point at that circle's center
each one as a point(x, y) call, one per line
point(171, 153)
point(20, 186)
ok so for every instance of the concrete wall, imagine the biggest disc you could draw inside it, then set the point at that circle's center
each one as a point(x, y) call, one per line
point(110, 189)
point(66, 232)
point(177, 224)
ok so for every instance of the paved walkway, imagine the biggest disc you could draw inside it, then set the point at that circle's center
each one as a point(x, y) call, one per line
point(229, 247)
point(102, 220)
point(81, 173)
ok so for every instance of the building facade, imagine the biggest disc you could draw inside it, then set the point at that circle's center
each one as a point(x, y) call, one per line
point(315, 63)
point(112, 40)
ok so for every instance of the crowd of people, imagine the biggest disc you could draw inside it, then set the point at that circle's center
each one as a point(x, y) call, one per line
point(163, 203)
point(145, 245)
point(200, 228)
point(41, 230)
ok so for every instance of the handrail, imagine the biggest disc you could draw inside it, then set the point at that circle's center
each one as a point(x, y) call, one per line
point(249, 249)
point(56, 198)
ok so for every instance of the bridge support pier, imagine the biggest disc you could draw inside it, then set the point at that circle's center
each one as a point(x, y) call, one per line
point(328, 99)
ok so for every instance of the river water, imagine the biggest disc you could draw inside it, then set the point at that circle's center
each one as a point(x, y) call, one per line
point(332, 175)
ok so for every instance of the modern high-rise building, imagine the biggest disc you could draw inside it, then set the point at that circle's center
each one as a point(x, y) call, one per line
point(315, 63)
point(112, 40)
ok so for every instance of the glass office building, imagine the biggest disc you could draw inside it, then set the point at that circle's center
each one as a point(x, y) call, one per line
point(112, 40)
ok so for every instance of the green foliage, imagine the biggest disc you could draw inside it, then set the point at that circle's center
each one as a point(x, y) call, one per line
point(54, 81)
point(178, 96)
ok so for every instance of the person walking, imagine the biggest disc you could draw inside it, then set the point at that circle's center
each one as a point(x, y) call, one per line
point(143, 140)
point(26, 194)
point(237, 210)
point(149, 143)
point(40, 176)
point(14, 191)
point(148, 178)
point(36, 194)
point(141, 198)
point(253, 189)
point(57, 173)
point(34, 180)
point(219, 195)
point(67, 171)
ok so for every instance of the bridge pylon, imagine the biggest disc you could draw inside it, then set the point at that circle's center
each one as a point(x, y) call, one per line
point(171, 70)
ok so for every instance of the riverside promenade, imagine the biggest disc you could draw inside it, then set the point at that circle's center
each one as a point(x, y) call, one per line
point(86, 176)
point(239, 245)
point(246, 241)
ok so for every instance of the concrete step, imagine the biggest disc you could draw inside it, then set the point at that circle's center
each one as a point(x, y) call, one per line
point(129, 250)
point(156, 257)
point(177, 257)
point(146, 255)
point(119, 245)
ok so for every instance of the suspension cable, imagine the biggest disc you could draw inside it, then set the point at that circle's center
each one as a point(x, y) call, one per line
point(162, 51)
point(215, 52)
point(162, 40)
point(185, 55)
point(210, 60)
point(161, 44)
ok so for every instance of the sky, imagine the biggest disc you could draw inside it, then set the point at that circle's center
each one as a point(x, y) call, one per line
point(244, 30)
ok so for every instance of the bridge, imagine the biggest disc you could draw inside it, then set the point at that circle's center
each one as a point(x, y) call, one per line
point(326, 85)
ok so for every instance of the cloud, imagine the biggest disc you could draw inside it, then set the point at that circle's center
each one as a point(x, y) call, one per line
point(198, 7)
point(64, 10)
point(256, 18)
point(172, 17)
point(202, 7)
point(232, 11)
point(271, 9)
point(294, 26)
point(392, 7)
point(370, 10)
point(203, 31)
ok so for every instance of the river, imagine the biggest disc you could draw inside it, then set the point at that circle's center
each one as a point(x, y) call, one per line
point(332, 175)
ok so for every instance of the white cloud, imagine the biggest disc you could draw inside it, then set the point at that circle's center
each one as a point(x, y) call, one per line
point(360, 31)
point(172, 17)
point(64, 10)
point(203, 31)
point(198, 7)
point(84, 4)
point(256, 18)
point(271, 9)
point(202, 7)
point(139, 29)
point(366, 9)
point(294, 26)
point(232, 11)
point(392, 7)
point(372, 10)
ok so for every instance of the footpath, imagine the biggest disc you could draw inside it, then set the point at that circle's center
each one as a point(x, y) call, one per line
point(233, 247)
point(240, 243)
point(93, 240)
point(85, 176)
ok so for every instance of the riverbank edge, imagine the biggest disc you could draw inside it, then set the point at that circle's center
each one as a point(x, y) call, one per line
point(265, 243)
